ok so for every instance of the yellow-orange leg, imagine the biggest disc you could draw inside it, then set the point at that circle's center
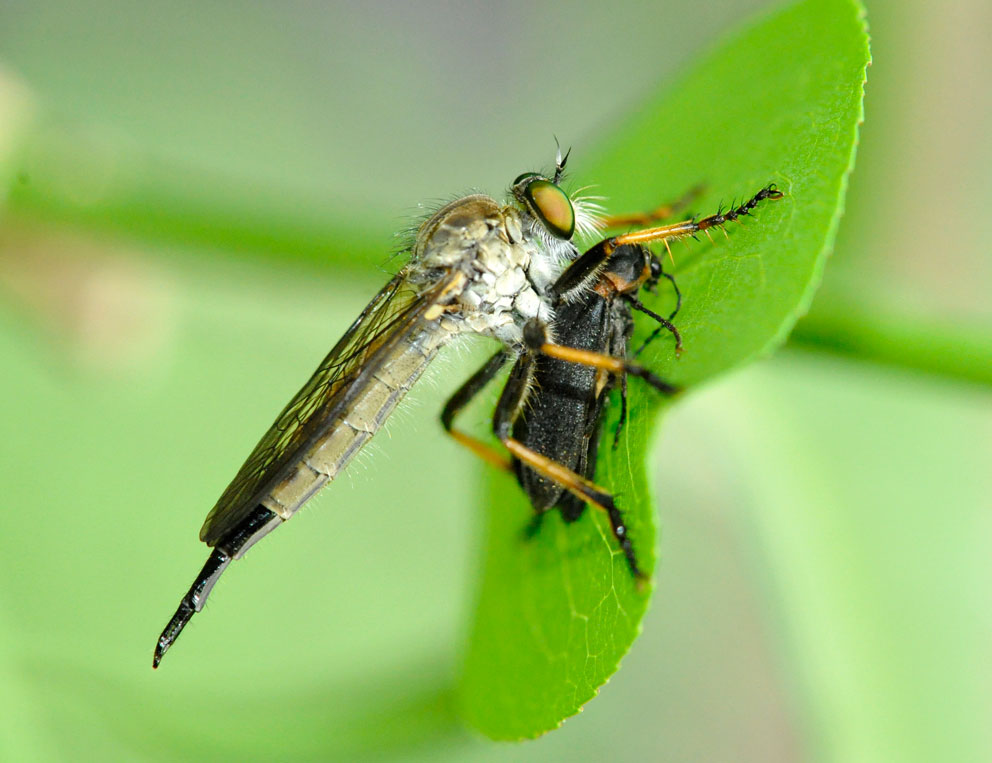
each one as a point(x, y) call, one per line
point(659, 213)
point(462, 397)
point(508, 409)
point(690, 227)
point(488, 454)
point(554, 471)
point(511, 403)
point(617, 366)
point(586, 491)
point(576, 274)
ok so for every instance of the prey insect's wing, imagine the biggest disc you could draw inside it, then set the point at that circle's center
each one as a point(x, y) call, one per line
point(392, 315)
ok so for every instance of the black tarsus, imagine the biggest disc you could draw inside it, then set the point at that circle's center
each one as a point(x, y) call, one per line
point(664, 323)
point(678, 295)
point(770, 191)
point(659, 384)
point(623, 411)
point(620, 532)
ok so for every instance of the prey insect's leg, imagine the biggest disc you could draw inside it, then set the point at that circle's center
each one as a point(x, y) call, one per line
point(233, 546)
point(678, 295)
point(657, 214)
point(511, 402)
point(663, 324)
point(462, 397)
point(623, 411)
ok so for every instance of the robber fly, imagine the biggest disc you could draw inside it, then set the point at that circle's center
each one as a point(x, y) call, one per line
point(550, 413)
point(475, 266)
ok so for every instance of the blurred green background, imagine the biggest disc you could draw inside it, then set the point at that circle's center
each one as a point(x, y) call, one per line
point(197, 200)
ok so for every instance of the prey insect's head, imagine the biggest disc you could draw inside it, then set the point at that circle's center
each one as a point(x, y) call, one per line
point(655, 272)
point(630, 268)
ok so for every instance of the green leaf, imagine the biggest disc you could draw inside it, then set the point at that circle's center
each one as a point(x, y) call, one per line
point(86, 177)
point(781, 103)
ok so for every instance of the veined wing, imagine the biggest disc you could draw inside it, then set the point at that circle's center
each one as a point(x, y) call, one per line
point(392, 315)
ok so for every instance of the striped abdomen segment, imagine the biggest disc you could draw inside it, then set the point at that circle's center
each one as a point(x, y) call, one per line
point(353, 426)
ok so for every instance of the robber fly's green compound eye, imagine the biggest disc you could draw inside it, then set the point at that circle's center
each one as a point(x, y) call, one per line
point(548, 202)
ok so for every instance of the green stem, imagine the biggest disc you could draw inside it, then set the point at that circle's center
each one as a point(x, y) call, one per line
point(879, 335)
point(75, 176)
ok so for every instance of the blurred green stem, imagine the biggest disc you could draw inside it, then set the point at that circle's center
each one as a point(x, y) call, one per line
point(870, 332)
point(81, 177)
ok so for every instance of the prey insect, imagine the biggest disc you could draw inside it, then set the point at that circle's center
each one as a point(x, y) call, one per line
point(551, 411)
point(475, 266)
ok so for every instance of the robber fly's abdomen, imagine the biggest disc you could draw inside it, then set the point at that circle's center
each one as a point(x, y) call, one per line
point(345, 434)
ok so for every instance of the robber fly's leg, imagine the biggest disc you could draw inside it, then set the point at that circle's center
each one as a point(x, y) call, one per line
point(508, 408)
point(232, 546)
point(585, 490)
point(580, 271)
point(659, 213)
point(685, 228)
point(616, 366)
point(462, 397)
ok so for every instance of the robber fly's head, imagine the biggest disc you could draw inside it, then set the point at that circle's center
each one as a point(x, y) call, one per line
point(551, 207)
point(547, 202)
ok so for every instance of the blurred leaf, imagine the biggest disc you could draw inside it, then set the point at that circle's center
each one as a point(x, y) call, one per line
point(781, 103)
point(869, 499)
point(16, 113)
point(862, 325)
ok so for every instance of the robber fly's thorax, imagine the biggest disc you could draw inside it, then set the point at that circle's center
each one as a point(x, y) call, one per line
point(506, 265)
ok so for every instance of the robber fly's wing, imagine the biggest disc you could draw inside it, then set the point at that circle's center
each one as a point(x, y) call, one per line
point(391, 316)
